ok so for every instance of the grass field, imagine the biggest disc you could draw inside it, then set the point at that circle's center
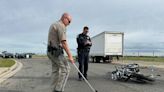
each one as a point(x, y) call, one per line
point(39, 56)
point(139, 58)
point(44, 56)
point(6, 62)
point(144, 58)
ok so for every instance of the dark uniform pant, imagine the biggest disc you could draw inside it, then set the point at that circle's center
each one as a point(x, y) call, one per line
point(60, 72)
point(83, 59)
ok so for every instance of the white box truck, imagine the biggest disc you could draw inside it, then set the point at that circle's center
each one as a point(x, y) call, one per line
point(107, 45)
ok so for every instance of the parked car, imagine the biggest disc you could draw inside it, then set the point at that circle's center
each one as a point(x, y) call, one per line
point(6, 54)
point(23, 55)
point(18, 55)
point(1, 54)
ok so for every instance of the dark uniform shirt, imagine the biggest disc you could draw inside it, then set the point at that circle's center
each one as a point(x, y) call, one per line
point(81, 40)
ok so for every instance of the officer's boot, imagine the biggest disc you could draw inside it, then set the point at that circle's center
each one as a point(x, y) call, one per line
point(80, 78)
point(85, 75)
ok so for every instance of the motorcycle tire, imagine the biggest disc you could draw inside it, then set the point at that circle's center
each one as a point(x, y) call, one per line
point(142, 77)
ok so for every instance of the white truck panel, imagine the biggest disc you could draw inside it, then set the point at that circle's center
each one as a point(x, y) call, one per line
point(107, 43)
point(97, 45)
point(113, 44)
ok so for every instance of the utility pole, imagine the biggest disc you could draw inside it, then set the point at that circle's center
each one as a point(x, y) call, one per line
point(153, 53)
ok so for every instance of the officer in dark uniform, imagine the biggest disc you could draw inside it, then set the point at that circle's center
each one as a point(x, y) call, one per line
point(84, 44)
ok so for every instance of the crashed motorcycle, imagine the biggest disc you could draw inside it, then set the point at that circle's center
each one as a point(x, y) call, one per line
point(130, 72)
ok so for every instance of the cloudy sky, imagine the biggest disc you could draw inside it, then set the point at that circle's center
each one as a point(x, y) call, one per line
point(24, 24)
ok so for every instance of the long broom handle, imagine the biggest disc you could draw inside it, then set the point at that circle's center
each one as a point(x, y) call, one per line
point(85, 79)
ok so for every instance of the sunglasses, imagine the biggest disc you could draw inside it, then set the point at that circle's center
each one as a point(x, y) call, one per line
point(68, 20)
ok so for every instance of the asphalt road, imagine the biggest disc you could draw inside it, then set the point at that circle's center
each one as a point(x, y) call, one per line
point(35, 77)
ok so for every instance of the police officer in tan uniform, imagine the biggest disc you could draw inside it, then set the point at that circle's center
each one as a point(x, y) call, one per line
point(57, 42)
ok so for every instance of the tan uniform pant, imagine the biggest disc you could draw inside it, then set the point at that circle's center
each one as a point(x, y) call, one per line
point(60, 72)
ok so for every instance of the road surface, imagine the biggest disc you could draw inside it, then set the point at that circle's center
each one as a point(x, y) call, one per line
point(35, 77)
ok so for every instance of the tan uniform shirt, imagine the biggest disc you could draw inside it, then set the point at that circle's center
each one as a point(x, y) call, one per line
point(57, 33)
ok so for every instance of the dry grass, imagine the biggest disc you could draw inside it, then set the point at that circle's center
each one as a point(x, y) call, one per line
point(6, 62)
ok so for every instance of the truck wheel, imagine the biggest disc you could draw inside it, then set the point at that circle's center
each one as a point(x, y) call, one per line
point(110, 59)
point(104, 59)
point(98, 59)
point(93, 59)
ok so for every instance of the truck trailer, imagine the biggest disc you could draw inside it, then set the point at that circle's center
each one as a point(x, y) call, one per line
point(107, 45)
